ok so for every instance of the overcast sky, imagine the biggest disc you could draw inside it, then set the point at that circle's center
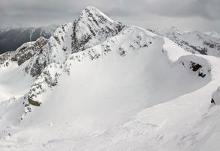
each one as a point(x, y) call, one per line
point(186, 14)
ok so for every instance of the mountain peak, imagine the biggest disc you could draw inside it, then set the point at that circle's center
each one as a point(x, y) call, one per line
point(93, 27)
point(91, 12)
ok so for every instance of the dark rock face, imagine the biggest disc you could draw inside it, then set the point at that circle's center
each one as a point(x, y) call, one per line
point(37, 68)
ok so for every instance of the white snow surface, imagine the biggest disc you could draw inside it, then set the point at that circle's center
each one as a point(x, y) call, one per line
point(13, 82)
point(134, 91)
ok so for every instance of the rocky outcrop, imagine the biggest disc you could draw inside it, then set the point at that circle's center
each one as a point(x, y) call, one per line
point(28, 50)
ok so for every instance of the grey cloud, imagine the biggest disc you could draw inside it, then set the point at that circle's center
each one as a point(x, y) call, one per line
point(30, 12)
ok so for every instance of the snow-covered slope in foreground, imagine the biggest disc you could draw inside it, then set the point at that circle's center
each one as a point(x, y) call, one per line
point(132, 90)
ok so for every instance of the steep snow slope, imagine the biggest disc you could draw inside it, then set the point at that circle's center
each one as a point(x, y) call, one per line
point(126, 89)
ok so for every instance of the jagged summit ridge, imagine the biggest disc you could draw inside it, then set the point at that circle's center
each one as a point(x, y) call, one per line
point(91, 10)
point(93, 27)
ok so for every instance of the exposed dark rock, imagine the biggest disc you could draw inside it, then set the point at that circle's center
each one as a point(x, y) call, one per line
point(213, 101)
point(34, 103)
point(37, 68)
point(195, 66)
point(202, 74)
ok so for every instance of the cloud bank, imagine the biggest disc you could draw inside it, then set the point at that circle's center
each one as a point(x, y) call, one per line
point(188, 14)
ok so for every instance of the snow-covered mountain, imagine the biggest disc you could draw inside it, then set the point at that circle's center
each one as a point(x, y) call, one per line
point(194, 42)
point(12, 38)
point(97, 84)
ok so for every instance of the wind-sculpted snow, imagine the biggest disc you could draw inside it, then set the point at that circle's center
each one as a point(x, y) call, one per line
point(123, 88)
point(196, 65)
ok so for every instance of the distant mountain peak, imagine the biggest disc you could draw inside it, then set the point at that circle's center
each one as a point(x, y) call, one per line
point(194, 41)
